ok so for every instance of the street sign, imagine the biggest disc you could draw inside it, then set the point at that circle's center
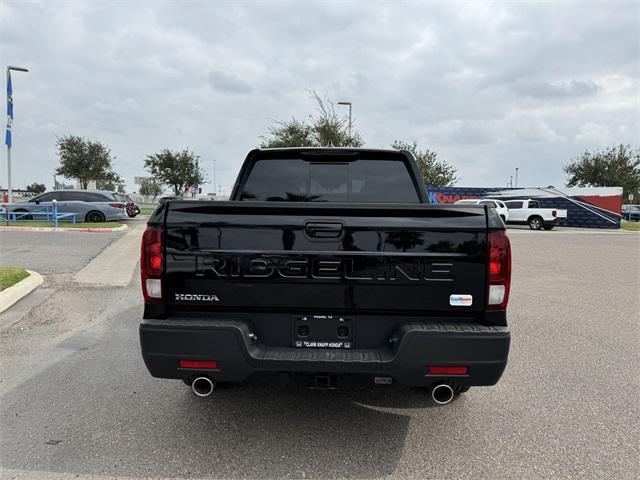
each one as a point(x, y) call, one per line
point(631, 196)
point(141, 180)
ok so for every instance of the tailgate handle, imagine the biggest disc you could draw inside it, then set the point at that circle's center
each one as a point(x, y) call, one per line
point(323, 229)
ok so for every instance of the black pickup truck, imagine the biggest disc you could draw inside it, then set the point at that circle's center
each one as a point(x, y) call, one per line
point(326, 262)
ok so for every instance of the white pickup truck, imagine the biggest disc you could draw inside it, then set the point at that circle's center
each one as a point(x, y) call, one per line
point(498, 205)
point(528, 212)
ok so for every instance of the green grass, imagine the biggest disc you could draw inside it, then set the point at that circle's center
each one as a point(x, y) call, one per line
point(11, 275)
point(631, 226)
point(64, 224)
point(146, 210)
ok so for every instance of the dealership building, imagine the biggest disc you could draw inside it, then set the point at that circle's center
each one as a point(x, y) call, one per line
point(590, 207)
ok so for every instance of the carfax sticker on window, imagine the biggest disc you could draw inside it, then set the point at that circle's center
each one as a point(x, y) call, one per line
point(461, 300)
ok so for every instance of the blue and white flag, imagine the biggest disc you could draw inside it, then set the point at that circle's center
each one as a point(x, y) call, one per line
point(7, 138)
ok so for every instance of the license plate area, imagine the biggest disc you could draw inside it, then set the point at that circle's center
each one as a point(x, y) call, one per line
point(322, 331)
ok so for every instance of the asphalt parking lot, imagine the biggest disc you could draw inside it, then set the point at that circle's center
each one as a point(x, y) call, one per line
point(52, 252)
point(77, 400)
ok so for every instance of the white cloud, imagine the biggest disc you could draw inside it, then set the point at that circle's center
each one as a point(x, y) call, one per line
point(530, 128)
point(558, 89)
point(228, 82)
point(593, 132)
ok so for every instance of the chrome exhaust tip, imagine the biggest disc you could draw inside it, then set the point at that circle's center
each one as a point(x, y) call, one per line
point(203, 386)
point(442, 394)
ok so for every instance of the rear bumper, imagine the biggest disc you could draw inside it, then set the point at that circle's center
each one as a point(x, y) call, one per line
point(556, 222)
point(483, 349)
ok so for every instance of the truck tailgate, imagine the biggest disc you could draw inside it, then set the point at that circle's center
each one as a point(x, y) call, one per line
point(324, 258)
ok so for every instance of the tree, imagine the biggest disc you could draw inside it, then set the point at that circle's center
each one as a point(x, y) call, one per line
point(434, 172)
point(177, 170)
point(150, 188)
point(326, 128)
point(36, 188)
point(612, 167)
point(113, 182)
point(84, 160)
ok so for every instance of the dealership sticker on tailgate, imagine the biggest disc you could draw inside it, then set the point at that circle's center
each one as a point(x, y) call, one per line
point(460, 300)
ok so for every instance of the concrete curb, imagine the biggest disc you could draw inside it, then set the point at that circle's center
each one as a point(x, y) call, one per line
point(16, 292)
point(5, 228)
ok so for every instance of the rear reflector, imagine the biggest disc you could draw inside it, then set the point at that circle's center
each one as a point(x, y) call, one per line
point(447, 370)
point(199, 364)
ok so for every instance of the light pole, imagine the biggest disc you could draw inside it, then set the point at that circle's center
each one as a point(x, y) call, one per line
point(347, 103)
point(511, 182)
point(7, 138)
point(517, 168)
point(214, 178)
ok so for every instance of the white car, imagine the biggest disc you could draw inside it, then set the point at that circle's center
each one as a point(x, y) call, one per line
point(528, 212)
point(499, 205)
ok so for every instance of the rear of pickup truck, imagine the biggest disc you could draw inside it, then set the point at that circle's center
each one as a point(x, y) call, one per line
point(402, 292)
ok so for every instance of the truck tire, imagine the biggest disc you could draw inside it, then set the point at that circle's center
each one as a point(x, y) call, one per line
point(535, 223)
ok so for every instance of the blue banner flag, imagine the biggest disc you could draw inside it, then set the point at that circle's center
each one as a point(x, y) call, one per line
point(7, 138)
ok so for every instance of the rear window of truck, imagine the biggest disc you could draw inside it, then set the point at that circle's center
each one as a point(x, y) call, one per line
point(297, 180)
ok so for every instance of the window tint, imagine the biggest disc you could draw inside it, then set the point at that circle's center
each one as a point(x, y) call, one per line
point(70, 196)
point(294, 180)
point(89, 197)
point(80, 196)
point(45, 197)
point(534, 204)
point(96, 197)
point(513, 204)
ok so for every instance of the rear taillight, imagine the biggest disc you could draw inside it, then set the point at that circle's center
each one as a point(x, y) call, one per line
point(151, 262)
point(116, 205)
point(499, 273)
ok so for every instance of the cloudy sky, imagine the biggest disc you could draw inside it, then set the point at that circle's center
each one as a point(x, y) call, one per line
point(490, 87)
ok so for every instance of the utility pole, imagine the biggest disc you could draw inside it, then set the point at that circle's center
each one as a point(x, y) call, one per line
point(8, 139)
point(349, 104)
